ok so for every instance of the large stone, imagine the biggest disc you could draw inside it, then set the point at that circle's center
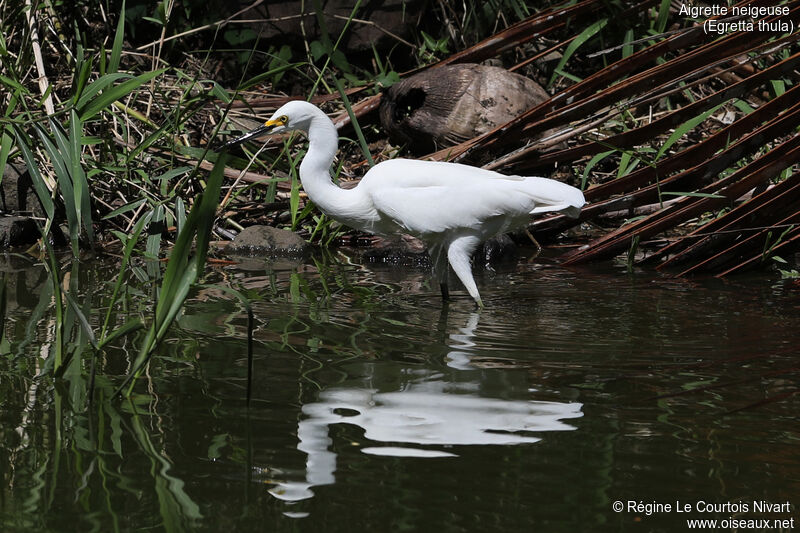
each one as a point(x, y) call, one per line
point(267, 241)
point(443, 106)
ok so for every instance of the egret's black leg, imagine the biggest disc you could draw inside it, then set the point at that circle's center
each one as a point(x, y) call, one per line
point(445, 291)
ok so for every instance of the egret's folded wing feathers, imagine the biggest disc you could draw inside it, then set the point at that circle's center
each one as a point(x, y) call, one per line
point(427, 197)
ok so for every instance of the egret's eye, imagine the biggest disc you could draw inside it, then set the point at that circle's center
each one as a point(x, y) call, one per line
point(283, 119)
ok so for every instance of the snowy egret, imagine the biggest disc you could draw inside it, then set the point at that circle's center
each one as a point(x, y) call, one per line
point(451, 207)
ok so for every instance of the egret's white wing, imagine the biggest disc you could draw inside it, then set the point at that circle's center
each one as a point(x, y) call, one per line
point(432, 197)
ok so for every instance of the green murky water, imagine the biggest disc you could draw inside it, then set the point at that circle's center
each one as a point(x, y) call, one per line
point(375, 409)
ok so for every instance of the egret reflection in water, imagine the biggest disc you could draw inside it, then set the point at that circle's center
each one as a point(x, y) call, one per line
point(425, 415)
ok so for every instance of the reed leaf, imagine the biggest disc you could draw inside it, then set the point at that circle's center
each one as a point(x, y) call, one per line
point(98, 85)
point(39, 185)
point(584, 36)
point(684, 128)
point(82, 320)
point(116, 48)
point(134, 324)
point(129, 242)
point(80, 185)
point(182, 270)
point(60, 159)
point(5, 137)
point(109, 96)
point(125, 208)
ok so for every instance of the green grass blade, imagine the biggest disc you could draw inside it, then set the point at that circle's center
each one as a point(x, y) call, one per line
point(82, 320)
point(80, 185)
point(125, 208)
point(663, 16)
point(627, 48)
point(182, 272)
point(591, 164)
point(584, 36)
point(684, 128)
point(39, 185)
point(98, 85)
point(60, 158)
point(109, 96)
point(362, 142)
point(5, 137)
point(134, 324)
point(129, 244)
point(116, 49)
point(8, 83)
point(153, 247)
point(180, 214)
point(5, 149)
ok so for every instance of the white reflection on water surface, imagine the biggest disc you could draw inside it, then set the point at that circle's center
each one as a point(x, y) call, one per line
point(427, 414)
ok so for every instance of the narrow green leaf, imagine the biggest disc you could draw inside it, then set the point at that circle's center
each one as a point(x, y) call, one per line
point(111, 95)
point(663, 16)
point(60, 158)
point(5, 137)
point(627, 48)
point(129, 242)
point(12, 84)
point(591, 164)
point(134, 324)
point(624, 161)
point(80, 185)
point(116, 49)
point(584, 36)
point(294, 200)
point(180, 214)
point(182, 272)
point(125, 208)
point(153, 246)
point(687, 126)
point(743, 106)
point(39, 185)
point(98, 85)
point(87, 328)
point(168, 175)
point(83, 69)
point(218, 91)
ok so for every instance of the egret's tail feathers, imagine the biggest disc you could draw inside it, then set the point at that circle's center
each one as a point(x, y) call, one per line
point(551, 196)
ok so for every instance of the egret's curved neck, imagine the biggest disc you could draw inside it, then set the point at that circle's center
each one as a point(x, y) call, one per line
point(340, 204)
point(323, 141)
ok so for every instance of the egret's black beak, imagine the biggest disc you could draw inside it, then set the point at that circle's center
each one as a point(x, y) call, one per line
point(258, 132)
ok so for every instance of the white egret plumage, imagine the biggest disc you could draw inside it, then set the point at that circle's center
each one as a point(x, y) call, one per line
point(451, 207)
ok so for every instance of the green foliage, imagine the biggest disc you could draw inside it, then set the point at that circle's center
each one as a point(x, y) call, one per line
point(183, 267)
point(431, 47)
point(582, 38)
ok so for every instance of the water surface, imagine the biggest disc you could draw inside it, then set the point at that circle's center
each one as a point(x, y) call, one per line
point(376, 408)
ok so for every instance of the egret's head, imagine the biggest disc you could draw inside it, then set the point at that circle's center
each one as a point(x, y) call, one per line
point(294, 115)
